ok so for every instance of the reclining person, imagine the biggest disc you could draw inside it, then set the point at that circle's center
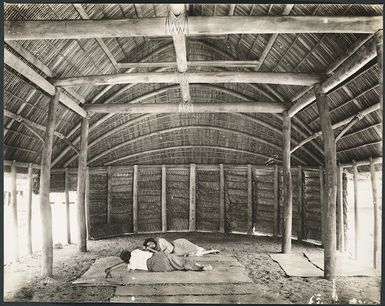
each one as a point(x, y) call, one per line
point(180, 247)
point(156, 262)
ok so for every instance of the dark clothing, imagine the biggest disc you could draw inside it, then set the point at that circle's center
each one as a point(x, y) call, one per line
point(165, 262)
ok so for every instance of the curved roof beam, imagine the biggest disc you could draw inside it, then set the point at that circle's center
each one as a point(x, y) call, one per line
point(153, 93)
point(189, 147)
point(181, 128)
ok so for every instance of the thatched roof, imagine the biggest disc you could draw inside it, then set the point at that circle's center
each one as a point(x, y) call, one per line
point(208, 138)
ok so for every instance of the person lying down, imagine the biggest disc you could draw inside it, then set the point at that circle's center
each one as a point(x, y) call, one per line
point(180, 247)
point(156, 262)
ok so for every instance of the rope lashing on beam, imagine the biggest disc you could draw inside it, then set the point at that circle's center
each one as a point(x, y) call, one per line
point(176, 24)
point(185, 104)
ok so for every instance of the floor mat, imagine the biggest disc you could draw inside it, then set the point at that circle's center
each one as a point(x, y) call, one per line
point(295, 264)
point(225, 269)
point(344, 266)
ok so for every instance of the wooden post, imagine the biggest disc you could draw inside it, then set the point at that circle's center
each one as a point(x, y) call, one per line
point(15, 226)
point(135, 200)
point(249, 200)
point(330, 185)
point(300, 205)
point(29, 210)
point(45, 175)
point(221, 199)
point(287, 186)
point(82, 175)
point(356, 214)
point(340, 211)
point(87, 201)
point(276, 203)
point(377, 227)
point(67, 201)
point(109, 199)
point(321, 190)
point(192, 198)
point(164, 199)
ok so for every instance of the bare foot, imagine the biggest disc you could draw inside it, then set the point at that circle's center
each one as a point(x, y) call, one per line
point(207, 268)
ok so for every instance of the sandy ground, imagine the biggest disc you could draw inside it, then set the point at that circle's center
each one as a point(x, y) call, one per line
point(22, 282)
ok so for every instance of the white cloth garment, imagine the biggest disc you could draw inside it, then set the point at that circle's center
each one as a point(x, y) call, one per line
point(138, 260)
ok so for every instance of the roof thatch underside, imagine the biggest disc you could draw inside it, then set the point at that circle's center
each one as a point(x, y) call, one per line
point(214, 138)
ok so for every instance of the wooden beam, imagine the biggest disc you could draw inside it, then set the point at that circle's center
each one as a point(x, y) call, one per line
point(337, 125)
point(199, 107)
point(358, 60)
point(109, 195)
point(322, 203)
point(30, 74)
point(87, 201)
point(164, 199)
point(347, 127)
point(376, 214)
point(197, 25)
point(135, 200)
point(45, 176)
point(276, 202)
point(287, 186)
point(67, 201)
point(216, 63)
point(20, 164)
point(300, 205)
point(29, 210)
point(366, 162)
point(192, 205)
point(81, 186)
point(34, 125)
point(221, 199)
point(15, 226)
point(330, 186)
point(285, 78)
point(356, 213)
point(340, 210)
point(249, 200)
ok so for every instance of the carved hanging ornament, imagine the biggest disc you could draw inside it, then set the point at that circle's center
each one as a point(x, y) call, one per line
point(176, 24)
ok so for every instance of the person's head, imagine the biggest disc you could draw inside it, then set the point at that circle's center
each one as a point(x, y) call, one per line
point(150, 243)
point(125, 255)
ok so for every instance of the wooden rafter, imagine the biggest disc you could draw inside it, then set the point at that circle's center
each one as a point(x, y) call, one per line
point(217, 63)
point(22, 68)
point(286, 78)
point(198, 25)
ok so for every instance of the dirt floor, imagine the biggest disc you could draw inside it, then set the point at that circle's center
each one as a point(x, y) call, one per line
point(22, 282)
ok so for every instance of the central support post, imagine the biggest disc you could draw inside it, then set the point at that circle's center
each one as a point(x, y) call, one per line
point(287, 186)
point(330, 185)
point(81, 208)
point(45, 175)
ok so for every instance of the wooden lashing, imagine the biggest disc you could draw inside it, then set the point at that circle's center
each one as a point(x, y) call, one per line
point(135, 200)
point(67, 203)
point(164, 200)
point(322, 204)
point(15, 227)
point(192, 214)
point(29, 210)
point(377, 225)
point(276, 202)
point(300, 205)
point(330, 185)
point(249, 200)
point(340, 211)
point(221, 199)
point(287, 186)
point(82, 164)
point(109, 194)
point(45, 175)
point(356, 215)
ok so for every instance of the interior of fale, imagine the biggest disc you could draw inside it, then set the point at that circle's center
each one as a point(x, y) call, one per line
point(251, 129)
